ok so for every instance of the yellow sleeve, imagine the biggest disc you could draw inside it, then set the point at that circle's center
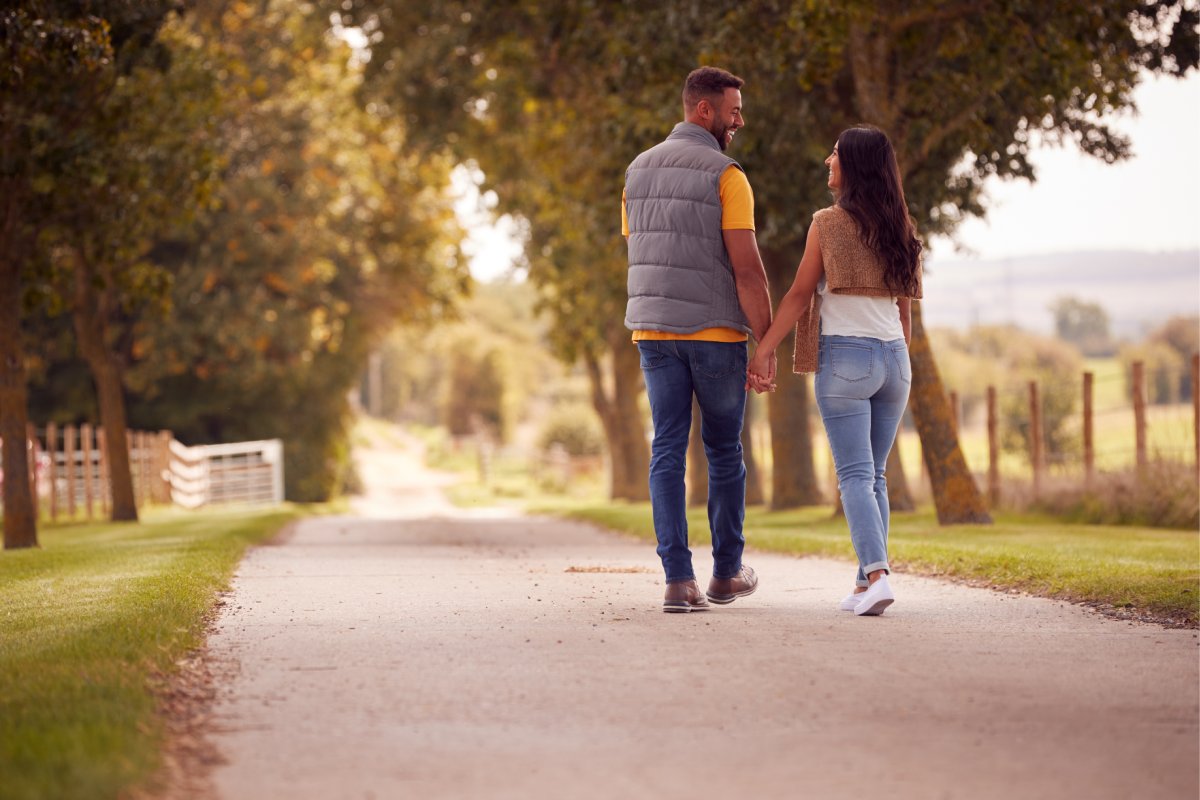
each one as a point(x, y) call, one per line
point(624, 216)
point(737, 201)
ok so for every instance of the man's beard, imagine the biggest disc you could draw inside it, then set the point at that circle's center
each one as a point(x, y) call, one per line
point(719, 134)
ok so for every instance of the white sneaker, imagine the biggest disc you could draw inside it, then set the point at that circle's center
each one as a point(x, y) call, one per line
point(850, 601)
point(875, 599)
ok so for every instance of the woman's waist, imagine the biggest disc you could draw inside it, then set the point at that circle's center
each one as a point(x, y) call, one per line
point(888, 342)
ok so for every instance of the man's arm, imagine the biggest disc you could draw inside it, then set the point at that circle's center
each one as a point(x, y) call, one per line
point(751, 279)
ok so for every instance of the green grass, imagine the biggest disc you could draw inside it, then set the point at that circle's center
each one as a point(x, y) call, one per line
point(88, 623)
point(1152, 570)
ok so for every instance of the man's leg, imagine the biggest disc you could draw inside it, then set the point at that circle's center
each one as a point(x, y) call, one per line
point(719, 378)
point(669, 389)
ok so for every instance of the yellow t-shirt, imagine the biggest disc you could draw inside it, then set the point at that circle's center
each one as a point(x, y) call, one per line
point(737, 214)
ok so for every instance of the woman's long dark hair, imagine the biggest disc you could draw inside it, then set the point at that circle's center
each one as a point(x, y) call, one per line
point(872, 194)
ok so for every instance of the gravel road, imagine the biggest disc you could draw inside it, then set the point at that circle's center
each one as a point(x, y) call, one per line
point(413, 650)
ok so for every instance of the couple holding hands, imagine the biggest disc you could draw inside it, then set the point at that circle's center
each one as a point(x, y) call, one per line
point(698, 290)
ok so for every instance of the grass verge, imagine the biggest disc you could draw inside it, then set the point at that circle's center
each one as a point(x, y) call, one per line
point(1146, 573)
point(88, 623)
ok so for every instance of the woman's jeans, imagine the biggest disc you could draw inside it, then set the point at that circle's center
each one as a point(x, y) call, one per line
point(862, 388)
point(715, 372)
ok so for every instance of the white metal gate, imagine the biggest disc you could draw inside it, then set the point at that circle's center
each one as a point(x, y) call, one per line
point(242, 472)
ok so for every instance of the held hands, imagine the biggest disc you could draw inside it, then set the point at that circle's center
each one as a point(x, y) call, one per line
point(760, 373)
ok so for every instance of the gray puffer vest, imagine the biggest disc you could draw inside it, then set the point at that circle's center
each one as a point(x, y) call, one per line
point(680, 276)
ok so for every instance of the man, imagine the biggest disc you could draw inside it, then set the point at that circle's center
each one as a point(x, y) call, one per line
point(697, 287)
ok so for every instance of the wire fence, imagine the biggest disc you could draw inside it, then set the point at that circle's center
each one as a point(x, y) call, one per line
point(1077, 427)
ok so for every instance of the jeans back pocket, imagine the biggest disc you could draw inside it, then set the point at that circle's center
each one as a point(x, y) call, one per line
point(851, 362)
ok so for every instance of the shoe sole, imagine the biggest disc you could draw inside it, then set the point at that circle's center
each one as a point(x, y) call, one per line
point(683, 609)
point(726, 599)
point(877, 608)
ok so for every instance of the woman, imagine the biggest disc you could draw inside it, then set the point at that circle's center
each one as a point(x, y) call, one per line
point(851, 303)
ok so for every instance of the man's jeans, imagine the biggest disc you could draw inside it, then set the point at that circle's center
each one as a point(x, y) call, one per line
point(862, 388)
point(716, 373)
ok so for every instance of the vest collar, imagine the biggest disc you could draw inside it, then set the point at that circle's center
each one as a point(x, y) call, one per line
point(694, 133)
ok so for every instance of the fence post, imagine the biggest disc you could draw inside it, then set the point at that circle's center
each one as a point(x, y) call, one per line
point(1196, 409)
point(105, 483)
point(163, 478)
point(86, 439)
point(1139, 413)
point(1035, 438)
point(52, 448)
point(1089, 422)
point(31, 458)
point(137, 440)
point(993, 450)
point(69, 460)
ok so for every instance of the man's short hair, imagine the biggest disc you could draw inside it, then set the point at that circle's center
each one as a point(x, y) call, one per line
point(707, 83)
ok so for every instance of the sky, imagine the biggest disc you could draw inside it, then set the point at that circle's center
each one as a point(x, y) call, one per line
point(1151, 202)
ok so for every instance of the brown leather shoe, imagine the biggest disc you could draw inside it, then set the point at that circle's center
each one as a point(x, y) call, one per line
point(726, 590)
point(684, 596)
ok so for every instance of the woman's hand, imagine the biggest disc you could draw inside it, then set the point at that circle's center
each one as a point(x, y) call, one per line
point(760, 372)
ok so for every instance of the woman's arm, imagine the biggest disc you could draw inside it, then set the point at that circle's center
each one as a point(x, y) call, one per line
point(905, 304)
point(794, 303)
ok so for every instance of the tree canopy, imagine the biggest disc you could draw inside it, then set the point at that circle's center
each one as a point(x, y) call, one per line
point(553, 101)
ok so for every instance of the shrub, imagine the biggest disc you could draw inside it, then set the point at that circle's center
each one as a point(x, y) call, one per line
point(1009, 358)
point(1163, 495)
point(575, 428)
point(1166, 371)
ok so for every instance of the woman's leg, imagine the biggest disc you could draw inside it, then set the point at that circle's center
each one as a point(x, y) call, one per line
point(887, 408)
point(851, 372)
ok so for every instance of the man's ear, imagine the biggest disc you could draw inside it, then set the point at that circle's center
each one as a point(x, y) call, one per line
point(705, 110)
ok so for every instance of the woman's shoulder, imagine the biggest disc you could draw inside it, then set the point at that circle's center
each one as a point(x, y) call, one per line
point(833, 221)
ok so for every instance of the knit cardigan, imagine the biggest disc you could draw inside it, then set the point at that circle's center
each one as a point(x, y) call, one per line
point(850, 268)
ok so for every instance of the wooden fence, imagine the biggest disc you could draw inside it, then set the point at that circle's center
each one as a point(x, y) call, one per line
point(1183, 450)
point(68, 470)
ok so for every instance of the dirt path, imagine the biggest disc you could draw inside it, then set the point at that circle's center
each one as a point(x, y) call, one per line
point(416, 651)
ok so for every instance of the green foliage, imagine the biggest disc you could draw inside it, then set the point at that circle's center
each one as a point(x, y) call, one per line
point(487, 366)
point(1166, 372)
point(1181, 334)
point(324, 231)
point(1008, 359)
point(553, 100)
point(89, 625)
point(476, 396)
point(575, 428)
point(1084, 325)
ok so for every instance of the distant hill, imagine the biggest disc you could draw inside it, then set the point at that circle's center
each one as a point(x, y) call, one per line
point(1138, 289)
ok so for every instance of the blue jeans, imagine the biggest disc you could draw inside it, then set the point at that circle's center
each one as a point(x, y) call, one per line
point(715, 372)
point(862, 388)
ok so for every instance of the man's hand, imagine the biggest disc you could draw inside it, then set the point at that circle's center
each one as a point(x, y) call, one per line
point(760, 374)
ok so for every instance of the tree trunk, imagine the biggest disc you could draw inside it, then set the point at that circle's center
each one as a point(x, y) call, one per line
point(629, 455)
point(955, 494)
point(793, 478)
point(20, 522)
point(754, 487)
point(900, 497)
point(89, 313)
point(697, 462)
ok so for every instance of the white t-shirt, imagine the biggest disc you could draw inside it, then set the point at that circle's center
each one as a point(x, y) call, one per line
point(858, 315)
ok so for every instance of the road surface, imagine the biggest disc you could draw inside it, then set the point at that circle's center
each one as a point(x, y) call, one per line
point(414, 650)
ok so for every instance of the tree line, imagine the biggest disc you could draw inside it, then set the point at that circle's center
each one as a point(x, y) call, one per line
point(214, 209)
point(552, 101)
point(203, 221)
